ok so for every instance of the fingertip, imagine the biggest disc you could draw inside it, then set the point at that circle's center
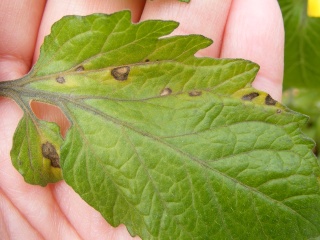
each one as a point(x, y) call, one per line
point(255, 31)
point(205, 17)
point(19, 23)
point(271, 86)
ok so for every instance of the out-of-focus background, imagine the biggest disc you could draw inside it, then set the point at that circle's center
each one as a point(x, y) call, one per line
point(302, 62)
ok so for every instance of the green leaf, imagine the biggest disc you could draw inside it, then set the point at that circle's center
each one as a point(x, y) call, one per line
point(302, 48)
point(303, 100)
point(35, 152)
point(306, 101)
point(173, 146)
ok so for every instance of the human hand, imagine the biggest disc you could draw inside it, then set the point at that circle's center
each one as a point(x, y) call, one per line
point(247, 29)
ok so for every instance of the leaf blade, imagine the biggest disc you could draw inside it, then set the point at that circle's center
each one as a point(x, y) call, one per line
point(170, 172)
point(35, 152)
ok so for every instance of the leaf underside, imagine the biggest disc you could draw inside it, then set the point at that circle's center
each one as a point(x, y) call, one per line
point(172, 146)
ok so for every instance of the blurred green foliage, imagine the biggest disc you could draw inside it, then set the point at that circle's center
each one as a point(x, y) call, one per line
point(302, 64)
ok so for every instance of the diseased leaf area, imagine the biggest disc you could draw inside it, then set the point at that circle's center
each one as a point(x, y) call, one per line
point(35, 152)
point(172, 146)
point(302, 48)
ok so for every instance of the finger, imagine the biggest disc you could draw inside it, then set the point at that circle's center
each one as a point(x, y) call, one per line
point(13, 224)
point(92, 225)
point(206, 17)
point(255, 31)
point(19, 23)
point(56, 9)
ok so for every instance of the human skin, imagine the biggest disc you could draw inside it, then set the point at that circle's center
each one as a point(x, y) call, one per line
point(248, 29)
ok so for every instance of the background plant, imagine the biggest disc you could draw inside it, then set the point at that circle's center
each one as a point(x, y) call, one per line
point(302, 63)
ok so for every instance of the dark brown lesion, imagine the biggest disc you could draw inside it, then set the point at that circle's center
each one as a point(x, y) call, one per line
point(120, 73)
point(250, 96)
point(60, 80)
point(195, 93)
point(49, 152)
point(166, 92)
point(270, 101)
point(80, 69)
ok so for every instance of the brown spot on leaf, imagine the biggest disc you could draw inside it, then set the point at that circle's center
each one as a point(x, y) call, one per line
point(120, 73)
point(166, 92)
point(79, 69)
point(250, 96)
point(270, 101)
point(195, 93)
point(49, 152)
point(60, 80)
point(147, 60)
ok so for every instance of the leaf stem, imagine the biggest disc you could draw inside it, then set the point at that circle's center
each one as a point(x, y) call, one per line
point(7, 86)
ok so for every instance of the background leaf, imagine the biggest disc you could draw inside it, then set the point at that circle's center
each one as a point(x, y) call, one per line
point(302, 48)
point(302, 57)
point(308, 102)
point(171, 145)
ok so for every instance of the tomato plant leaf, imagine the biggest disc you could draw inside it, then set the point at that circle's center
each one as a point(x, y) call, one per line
point(171, 145)
point(35, 152)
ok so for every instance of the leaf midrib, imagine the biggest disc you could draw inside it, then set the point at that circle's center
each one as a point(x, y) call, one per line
point(200, 162)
